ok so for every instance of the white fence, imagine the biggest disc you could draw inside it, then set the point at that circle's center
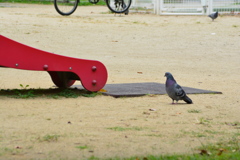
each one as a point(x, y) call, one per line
point(187, 7)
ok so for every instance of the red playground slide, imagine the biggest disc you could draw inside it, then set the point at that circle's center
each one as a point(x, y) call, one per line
point(63, 70)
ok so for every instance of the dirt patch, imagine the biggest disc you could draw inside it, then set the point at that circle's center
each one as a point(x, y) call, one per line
point(198, 52)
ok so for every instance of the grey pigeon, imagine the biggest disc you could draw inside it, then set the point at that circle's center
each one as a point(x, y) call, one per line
point(175, 91)
point(124, 6)
point(213, 15)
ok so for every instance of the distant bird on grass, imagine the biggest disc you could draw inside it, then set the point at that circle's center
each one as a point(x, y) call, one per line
point(175, 91)
point(213, 15)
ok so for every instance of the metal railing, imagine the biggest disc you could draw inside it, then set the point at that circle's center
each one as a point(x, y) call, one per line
point(187, 7)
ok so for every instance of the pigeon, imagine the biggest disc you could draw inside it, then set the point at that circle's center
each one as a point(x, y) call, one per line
point(213, 15)
point(175, 91)
point(126, 12)
point(124, 6)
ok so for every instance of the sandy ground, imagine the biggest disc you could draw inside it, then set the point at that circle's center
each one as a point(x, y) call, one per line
point(199, 53)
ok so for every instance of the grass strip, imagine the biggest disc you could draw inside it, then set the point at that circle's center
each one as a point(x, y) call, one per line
point(54, 93)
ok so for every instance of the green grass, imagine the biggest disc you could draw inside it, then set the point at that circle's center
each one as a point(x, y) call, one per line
point(224, 156)
point(54, 93)
point(154, 135)
point(223, 150)
point(203, 121)
point(194, 134)
point(203, 133)
point(28, 1)
point(126, 128)
point(11, 151)
point(228, 149)
point(213, 132)
point(86, 3)
point(82, 147)
point(194, 111)
point(49, 138)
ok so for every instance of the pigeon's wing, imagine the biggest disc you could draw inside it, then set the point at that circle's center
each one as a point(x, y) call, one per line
point(211, 15)
point(179, 91)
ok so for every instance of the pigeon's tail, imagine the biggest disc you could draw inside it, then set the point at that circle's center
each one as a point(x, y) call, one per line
point(187, 100)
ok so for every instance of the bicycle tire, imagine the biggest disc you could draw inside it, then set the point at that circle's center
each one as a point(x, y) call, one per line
point(119, 6)
point(69, 5)
point(93, 1)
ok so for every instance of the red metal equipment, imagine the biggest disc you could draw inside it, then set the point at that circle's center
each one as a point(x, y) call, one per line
point(63, 70)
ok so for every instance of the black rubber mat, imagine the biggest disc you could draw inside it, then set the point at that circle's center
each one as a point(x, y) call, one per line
point(140, 89)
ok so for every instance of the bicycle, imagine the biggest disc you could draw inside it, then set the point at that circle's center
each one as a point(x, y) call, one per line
point(67, 7)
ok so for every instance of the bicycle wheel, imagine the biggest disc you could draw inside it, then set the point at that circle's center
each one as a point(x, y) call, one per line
point(119, 6)
point(65, 7)
point(93, 1)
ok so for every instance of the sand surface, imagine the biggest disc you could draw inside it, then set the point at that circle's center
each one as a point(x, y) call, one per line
point(198, 52)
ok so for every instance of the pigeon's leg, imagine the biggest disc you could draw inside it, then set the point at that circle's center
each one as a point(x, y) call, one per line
point(172, 101)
